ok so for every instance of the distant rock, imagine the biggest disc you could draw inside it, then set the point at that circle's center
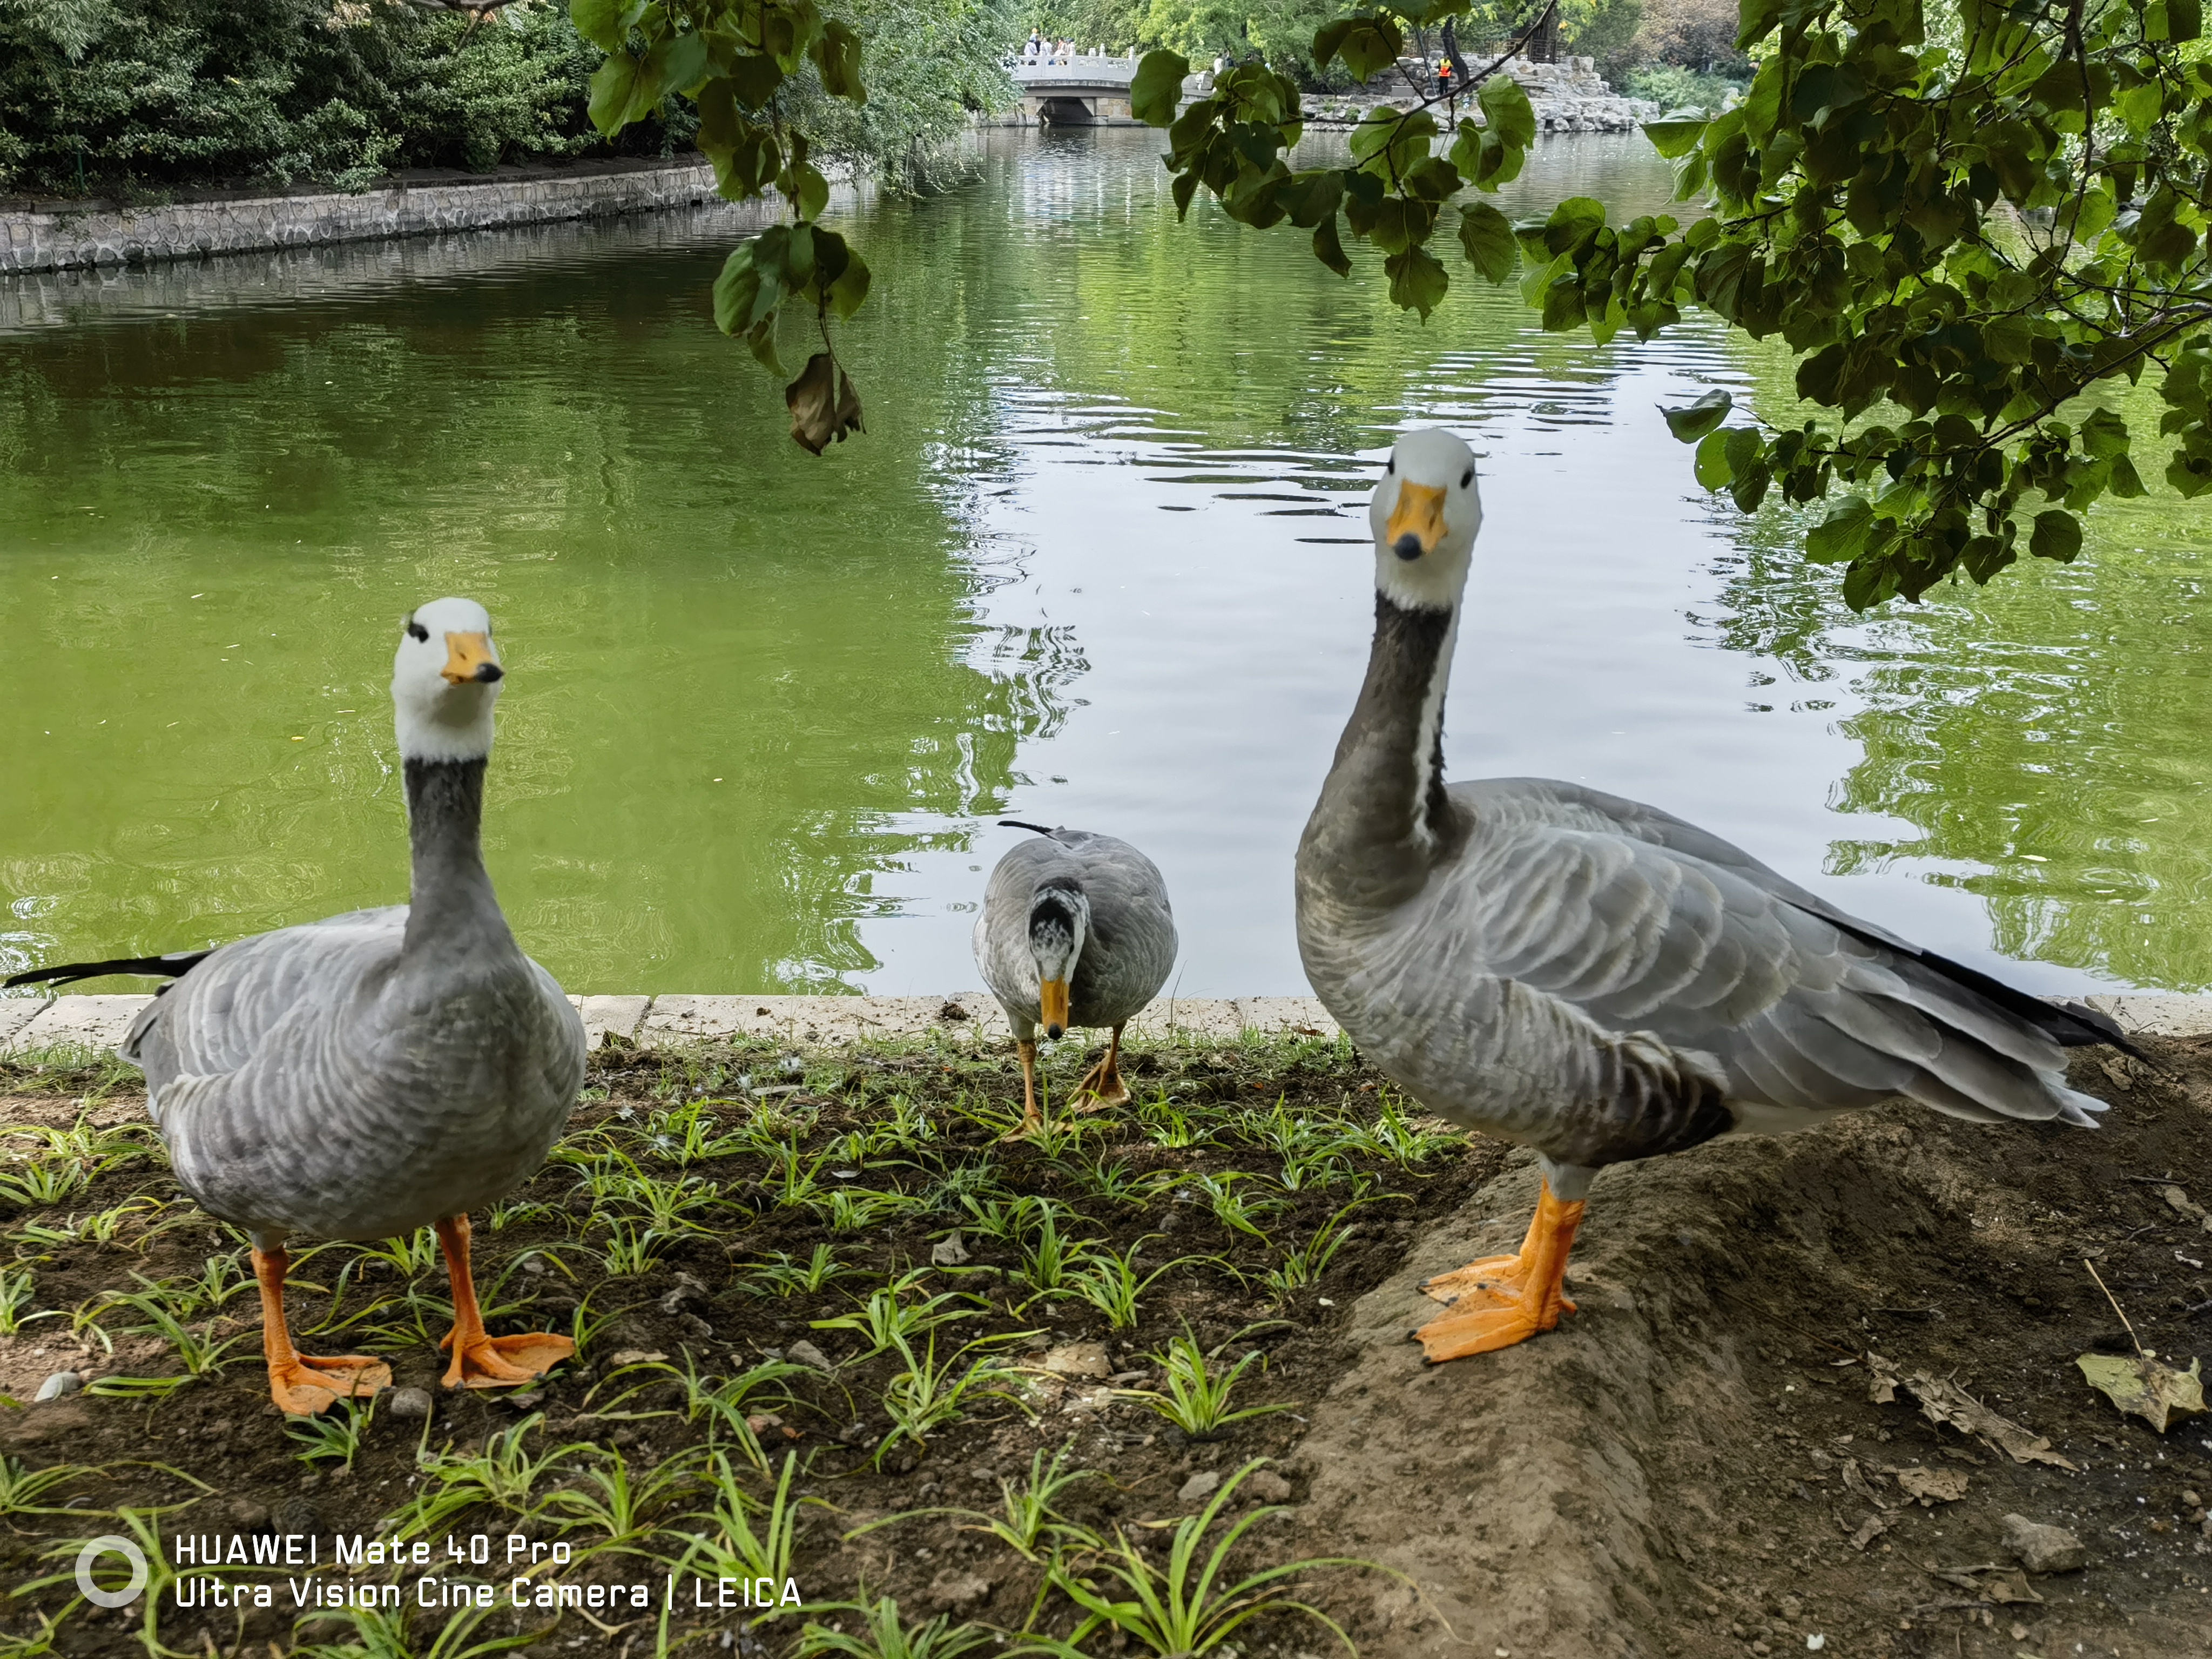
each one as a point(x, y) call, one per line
point(2043, 1549)
point(1568, 97)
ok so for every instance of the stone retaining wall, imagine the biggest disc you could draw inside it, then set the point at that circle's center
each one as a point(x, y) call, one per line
point(45, 239)
point(660, 1022)
point(665, 1021)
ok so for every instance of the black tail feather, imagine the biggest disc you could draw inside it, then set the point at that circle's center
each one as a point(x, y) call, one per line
point(1016, 823)
point(174, 966)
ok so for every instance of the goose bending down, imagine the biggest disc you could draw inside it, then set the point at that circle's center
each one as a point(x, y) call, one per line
point(362, 1077)
point(1075, 931)
point(1594, 978)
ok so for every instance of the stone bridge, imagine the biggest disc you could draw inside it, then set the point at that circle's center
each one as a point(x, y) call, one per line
point(1089, 91)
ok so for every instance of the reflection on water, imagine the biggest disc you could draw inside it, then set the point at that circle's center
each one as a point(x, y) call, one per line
point(1100, 559)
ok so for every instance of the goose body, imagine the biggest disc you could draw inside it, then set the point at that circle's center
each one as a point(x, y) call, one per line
point(1596, 978)
point(360, 1077)
point(1075, 931)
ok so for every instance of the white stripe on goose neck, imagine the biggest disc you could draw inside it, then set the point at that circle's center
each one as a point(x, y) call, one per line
point(434, 719)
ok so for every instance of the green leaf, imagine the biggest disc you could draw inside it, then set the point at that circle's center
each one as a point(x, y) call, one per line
point(1695, 420)
point(676, 64)
point(1843, 535)
point(754, 78)
point(808, 190)
point(851, 288)
point(619, 94)
point(1675, 136)
point(1417, 281)
point(1156, 89)
point(1712, 463)
point(1328, 247)
point(2056, 535)
point(1488, 241)
point(2103, 434)
point(605, 23)
point(1368, 45)
point(1507, 109)
point(836, 54)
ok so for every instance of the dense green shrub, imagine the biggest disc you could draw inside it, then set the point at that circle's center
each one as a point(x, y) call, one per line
point(1672, 86)
point(140, 96)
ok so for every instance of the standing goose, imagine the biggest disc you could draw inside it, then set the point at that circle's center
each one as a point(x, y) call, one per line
point(1594, 978)
point(361, 1077)
point(1075, 931)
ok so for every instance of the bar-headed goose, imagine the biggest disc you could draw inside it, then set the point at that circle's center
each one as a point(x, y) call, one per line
point(1594, 978)
point(1075, 931)
point(362, 1077)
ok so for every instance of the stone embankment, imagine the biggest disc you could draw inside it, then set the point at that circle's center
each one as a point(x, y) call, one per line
point(1568, 96)
point(971, 1017)
point(656, 1022)
point(56, 236)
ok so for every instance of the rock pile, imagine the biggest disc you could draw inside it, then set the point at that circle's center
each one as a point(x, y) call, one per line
point(1568, 97)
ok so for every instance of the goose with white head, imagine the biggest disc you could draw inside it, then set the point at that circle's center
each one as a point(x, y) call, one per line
point(1594, 978)
point(385, 1070)
point(1075, 931)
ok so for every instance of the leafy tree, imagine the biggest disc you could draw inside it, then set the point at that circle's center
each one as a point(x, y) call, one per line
point(1965, 240)
point(142, 96)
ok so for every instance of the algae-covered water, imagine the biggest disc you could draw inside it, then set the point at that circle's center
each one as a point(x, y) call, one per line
point(1099, 559)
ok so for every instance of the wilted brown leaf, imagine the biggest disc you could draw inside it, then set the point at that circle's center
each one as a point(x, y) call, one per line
point(1932, 1486)
point(823, 405)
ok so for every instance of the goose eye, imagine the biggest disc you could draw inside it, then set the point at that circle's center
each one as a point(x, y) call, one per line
point(416, 630)
point(1390, 465)
point(1467, 478)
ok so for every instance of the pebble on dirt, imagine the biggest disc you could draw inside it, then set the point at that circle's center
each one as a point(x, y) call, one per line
point(59, 1383)
point(803, 1353)
point(408, 1403)
point(1199, 1486)
point(2043, 1549)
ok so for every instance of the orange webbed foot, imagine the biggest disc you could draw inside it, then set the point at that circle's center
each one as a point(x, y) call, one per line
point(1100, 1089)
point(505, 1362)
point(305, 1386)
point(1500, 1300)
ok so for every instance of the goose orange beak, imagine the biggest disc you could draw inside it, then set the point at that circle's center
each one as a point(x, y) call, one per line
point(1417, 522)
point(1053, 997)
point(468, 657)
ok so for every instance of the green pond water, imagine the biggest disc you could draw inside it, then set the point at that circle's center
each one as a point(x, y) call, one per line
point(1099, 560)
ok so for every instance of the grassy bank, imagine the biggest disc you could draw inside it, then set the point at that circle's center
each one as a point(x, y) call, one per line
point(832, 1329)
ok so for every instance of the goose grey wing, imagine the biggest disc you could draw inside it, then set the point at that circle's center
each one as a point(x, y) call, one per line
point(211, 1021)
point(1681, 936)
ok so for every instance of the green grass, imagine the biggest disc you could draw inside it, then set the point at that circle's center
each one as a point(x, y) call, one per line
point(1239, 1185)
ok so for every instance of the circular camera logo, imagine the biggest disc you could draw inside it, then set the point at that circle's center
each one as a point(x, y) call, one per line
point(111, 1545)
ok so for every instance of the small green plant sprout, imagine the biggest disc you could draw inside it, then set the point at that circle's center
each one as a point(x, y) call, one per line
point(1303, 1266)
point(22, 1488)
point(885, 1634)
point(1186, 1610)
point(1049, 1256)
point(729, 1406)
point(504, 1477)
point(782, 1276)
point(927, 1393)
point(1029, 1523)
point(1197, 1399)
point(382, 1633)
point(746, 1537)
point(1110, 1282)
point(334, 1438)
point(631, 1251)
point(1391, 1134)
point(409, 1256)
point(1232, 1207)
point(888, 1322)
point(1169, 1124)
point(15, 1289)
point(607, 1501)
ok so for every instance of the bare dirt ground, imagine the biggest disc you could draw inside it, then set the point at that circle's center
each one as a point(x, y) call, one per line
point(1694, 1464)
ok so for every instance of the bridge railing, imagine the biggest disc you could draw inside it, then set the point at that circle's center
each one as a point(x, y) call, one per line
point(1088, 67)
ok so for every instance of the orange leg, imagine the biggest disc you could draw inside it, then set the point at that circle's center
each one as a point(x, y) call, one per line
point(300, 1384)
point(482, 1361)
point(1505, 1299)
point(1032, 1119)
point(1101, 1085)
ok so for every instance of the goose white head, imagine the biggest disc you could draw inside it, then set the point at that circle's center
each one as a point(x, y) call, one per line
point(1425, 515)
point(1060, 920)
point(445, 680)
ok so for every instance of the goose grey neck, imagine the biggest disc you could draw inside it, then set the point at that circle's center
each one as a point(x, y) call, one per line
point(1384, 817)
point(450, 895)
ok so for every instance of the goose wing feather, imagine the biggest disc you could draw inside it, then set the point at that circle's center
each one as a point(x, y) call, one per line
point(1645, 923)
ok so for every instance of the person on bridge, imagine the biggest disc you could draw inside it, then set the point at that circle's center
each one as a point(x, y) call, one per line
point(1035, 49)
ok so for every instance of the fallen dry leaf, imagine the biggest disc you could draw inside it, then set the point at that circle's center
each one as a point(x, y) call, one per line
point(2144, 1386)
point(1932, 1486)
point(1944, 1402)
point(1869, 1529)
